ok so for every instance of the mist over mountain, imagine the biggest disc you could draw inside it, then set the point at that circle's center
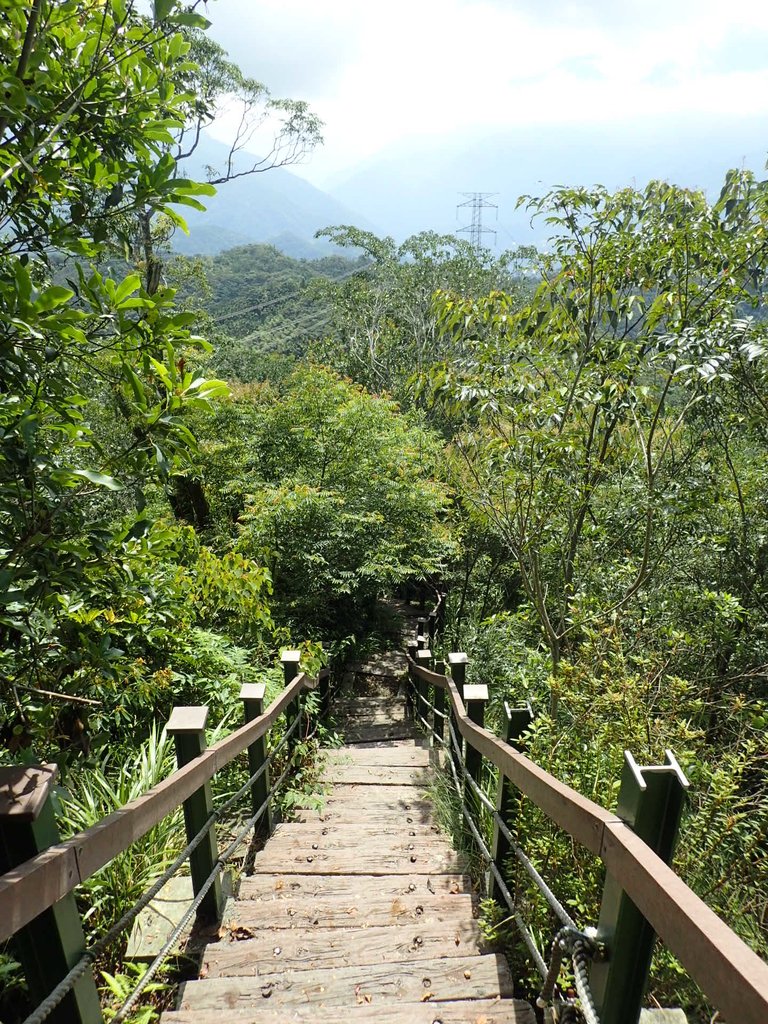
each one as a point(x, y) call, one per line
point(418, 186)
point(275, 207)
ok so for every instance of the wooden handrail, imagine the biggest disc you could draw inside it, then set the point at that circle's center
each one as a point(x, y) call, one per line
point(41, 881)
point(727, 970)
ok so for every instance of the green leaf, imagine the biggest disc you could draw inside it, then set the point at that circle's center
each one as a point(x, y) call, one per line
point(163, 8)
point(98, 478)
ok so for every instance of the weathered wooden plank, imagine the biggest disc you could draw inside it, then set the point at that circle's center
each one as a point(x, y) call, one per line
point(389, 795)
point(402, 754)
point(357, 702)
point(368, 733)
point(359, 718)
point(480, 1011)
point(355, 887)
point(375, 775)
point(156, 922)
point(369, 840)
point(367, 911)
point(349, 861)
point(359, 830)
point(293, 949)
point(343, 813)
point(478, 977)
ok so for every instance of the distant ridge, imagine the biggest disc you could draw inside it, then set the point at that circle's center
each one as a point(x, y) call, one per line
point(274, 207)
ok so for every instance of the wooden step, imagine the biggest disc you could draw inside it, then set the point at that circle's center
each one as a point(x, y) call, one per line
point(473, 977)
point(405, 754)
point(350, 911)
point(371, 859)
point(480, 1011)
point(374, 775)
point(325, 834)
point(354, 887)
point(390, 731)
point(364, 702)
point(249, 952)
point(342, 812)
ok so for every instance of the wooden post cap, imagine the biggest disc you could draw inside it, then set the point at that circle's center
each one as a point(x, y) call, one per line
point(253, 691)
point(457, 658)
point(187, 719)
point(288, 657)
point(24, 790)
point(475, 691)
point(424, 655)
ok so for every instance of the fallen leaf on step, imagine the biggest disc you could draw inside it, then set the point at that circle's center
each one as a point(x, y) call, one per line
point(454, 888)
point(430, 886)
point(240, 932)
point(427, 996)
point(467, 975)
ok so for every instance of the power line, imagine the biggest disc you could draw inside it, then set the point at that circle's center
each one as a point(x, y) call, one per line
point(291, 295)
point(478, 201)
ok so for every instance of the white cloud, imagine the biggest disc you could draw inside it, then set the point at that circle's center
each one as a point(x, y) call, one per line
point(422, 68)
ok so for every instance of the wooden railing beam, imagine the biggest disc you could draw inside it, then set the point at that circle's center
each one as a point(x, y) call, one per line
point(731, 974)
point(29, 889)
point(49, 946)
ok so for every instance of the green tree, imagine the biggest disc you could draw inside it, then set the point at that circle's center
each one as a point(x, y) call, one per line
point(581, 443)
point(384, 332)
point(91, 106)
point(332, 488)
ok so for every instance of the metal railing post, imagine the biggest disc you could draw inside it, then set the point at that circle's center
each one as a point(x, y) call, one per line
point(324, 685)
point(252, 696)
point(290, 660)
point(424, 658)
point(516, 721)
point(475, 698)
point(422, 639)
point(651, 802)
point(50, 945)
point(457, 662)
point(441, 613)
point(187, 726)
point(439, 705)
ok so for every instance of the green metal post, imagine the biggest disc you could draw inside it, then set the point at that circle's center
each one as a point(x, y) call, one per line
point(439, 702)
point(325, 691)
point(441, 614)
point(50, 945)
point(651, 802)
point(422, 639)
point(475, 698)
point(432, 627)
point(516, 721)
point(187, 726)
point(410, 699)
point(424, 659)
point(290, 660)
point(252, 696)
point(457, 662)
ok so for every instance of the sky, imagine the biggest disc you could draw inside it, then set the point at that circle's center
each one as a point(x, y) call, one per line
point(386, 77)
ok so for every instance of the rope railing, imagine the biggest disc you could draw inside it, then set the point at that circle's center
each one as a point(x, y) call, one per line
point(25, 795)
point(729, 973)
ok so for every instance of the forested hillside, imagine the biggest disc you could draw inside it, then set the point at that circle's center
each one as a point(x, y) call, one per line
point(205, 460)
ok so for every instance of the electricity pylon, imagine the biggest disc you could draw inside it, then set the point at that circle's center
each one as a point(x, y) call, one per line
point(478, 201)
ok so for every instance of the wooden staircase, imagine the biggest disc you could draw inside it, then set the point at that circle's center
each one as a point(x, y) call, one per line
point(362, 909)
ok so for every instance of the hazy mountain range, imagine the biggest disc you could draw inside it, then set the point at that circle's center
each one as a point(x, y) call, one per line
point(418, 187)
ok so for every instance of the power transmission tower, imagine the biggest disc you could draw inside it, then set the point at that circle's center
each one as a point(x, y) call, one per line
point(478, 201)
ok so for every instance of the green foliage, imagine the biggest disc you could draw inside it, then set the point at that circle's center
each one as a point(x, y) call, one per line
point(96, 792)
point(384, 332)
point(332, 490)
